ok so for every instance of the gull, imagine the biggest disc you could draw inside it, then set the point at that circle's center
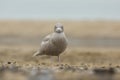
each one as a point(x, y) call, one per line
point(54, 44)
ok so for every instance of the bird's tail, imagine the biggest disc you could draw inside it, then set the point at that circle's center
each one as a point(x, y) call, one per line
point(36, 53)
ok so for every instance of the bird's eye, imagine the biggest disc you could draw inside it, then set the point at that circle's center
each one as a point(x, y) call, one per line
point(55, 27)
point(62, 27)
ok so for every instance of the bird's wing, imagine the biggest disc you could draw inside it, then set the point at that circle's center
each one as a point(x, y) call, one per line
point(44, 43)
point(46, 39)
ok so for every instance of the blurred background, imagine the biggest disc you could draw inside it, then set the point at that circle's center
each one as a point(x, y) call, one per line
point(60, 9)
point(87, 23)
point(91, 26)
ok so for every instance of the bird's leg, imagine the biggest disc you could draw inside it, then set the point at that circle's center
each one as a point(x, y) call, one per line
point(59, 58)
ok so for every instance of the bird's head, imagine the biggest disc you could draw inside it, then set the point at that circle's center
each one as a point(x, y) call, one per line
point(58, 28)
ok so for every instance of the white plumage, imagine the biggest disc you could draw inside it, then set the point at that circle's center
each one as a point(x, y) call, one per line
point(53, 44)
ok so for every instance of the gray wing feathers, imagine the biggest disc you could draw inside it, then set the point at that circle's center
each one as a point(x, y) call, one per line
point(53, 44)
point(44, 45)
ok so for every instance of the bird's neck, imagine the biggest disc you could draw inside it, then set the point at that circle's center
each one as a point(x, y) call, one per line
point(59, 38)
point(59, 35)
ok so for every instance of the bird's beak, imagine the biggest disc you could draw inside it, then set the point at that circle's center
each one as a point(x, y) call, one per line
point(58, 30)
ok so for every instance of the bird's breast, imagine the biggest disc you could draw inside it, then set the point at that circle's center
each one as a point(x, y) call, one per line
point(60, 41)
